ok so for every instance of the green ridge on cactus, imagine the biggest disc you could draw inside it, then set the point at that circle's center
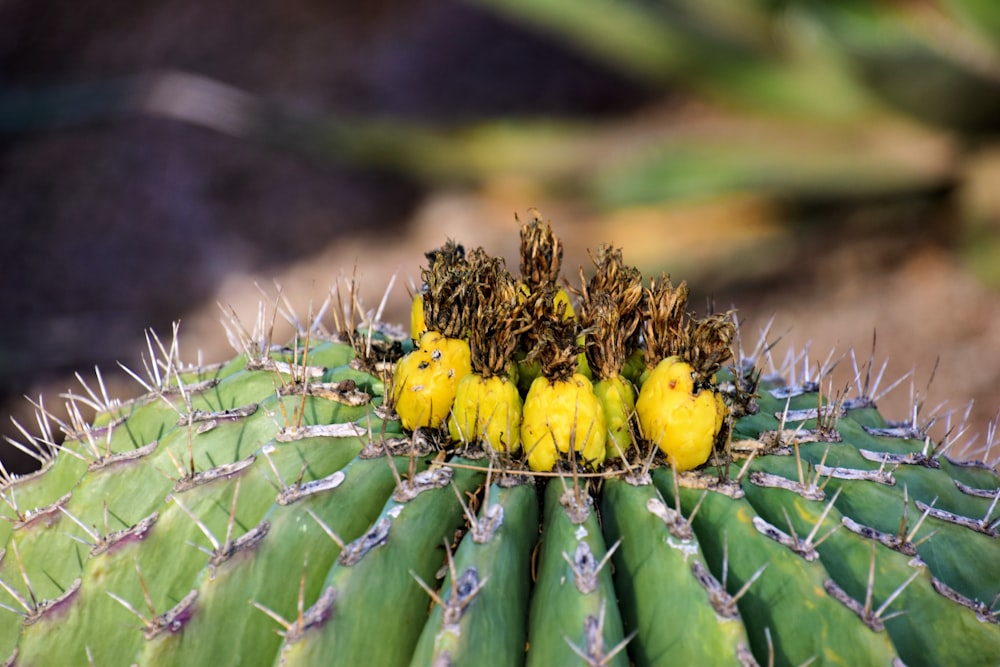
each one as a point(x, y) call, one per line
point(272, 510)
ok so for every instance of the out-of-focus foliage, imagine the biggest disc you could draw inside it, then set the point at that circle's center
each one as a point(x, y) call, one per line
point(848, 100)
point(802, 100)
point(793, 98)
point(747, 53)
point(862, 104)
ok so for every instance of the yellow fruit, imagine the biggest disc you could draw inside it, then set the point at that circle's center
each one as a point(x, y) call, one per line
point(558, 415)
point(418, 327)
point(425, 381)
point(487, 410)
point(562, 296)
point(617, 398)
point(681, 423)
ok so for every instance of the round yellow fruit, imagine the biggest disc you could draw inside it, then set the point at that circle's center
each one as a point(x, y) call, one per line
point(487, 410)
point(681, 423)
point(425, 381)
point(617, 398)
point(562, 296)
point(560, 415)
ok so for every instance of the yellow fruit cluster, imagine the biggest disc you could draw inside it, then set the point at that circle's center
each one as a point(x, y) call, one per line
point(585, 401)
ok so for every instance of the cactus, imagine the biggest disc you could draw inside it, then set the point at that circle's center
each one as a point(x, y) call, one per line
point(273, 510)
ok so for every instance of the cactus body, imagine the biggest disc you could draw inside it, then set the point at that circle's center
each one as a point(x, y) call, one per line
point(666, 606)
point(275, 510)
point(478, 623)
point(573, 610)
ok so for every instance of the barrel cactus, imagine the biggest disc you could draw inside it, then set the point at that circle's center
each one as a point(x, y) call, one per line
point(274, 509)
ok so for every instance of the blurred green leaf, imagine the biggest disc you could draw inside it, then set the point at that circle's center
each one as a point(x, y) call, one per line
point(727, 50)
point(777, 160)
point(917, 58)
point(637, 38)
point(981, 16)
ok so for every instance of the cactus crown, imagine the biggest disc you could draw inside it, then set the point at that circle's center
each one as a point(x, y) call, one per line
point(706, 344)
point(665, 324)
point(447, 306)
point(498, 315)
point(541, 254)
point(611, 311)
point(556, 344)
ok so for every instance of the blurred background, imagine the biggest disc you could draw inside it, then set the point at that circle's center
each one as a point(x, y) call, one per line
point(833, 166)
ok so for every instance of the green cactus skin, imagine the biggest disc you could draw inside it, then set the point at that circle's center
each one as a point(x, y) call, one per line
point(788, 593)
point(573, 610)
point(384, 583)
point(669, 608)
point(485, 625)
point(108, 560)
